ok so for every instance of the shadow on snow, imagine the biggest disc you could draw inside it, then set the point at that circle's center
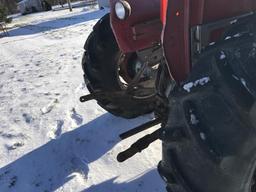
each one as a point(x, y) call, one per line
point(55, 24)
point(52, 165)
point(148, 182)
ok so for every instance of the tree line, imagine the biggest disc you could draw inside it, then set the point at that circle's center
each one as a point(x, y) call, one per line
point(10, 6)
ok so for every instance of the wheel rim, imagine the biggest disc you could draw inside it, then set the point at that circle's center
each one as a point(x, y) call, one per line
point(129, 65)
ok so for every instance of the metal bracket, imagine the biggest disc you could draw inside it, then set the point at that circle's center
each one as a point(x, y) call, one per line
point(139, 146)
point(140, 128)
point(200, 35)
point(91, 96)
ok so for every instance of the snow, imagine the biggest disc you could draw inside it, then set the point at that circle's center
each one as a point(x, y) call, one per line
point(245, 84)
point(222, 55)
point(235, 77)
point(49, 141)
point(238, 35)
point(49, 107)
point(202, 135)
point(228, 37)
point(193, 119)
point(233, 21)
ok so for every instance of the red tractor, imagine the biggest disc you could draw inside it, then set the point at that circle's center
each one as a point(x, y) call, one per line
point(114, 73)
point(204, 91)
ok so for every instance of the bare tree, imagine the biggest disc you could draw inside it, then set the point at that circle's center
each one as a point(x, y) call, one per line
point(69, 5)
point(10, 5)
point(61, 3)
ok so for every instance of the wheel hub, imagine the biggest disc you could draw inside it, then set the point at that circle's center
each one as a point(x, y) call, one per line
point(129, 67)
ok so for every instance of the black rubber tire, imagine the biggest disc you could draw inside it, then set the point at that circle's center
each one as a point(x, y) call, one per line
point(100, 65)
point(209, 141)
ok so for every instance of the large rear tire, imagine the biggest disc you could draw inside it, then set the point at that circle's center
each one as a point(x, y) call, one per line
point(102, 63)
point(209, 141)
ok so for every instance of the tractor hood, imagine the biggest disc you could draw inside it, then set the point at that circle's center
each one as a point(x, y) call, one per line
point(140, 26)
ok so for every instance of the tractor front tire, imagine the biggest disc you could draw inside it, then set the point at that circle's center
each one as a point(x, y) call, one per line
point(209, 140)
point(101, 65)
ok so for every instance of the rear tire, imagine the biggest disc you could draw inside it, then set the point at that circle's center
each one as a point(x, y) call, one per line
point(101, 65)
point(209, 141)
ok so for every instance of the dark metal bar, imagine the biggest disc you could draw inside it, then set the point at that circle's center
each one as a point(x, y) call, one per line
point(87, 98)
point(138, 146)
point(102, 95)
point(92, 96)
point(137, 78)
point(140, 128)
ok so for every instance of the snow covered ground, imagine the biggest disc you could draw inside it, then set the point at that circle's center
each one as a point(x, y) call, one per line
point(49, 141)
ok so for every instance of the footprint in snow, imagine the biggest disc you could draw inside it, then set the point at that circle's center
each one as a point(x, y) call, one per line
point(55, 133)
point(80, 168)
point(14, 146)
point(28, 118)
point(75, 117)
point(75, 57)
point(4, 174)
point(47, 93)
point(11, 135)
point(13, 181)
point(80, 87)
point(7, 179)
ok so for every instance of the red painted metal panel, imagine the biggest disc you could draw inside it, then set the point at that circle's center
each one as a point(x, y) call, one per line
point(164, 4)
point(192, 13)
point(143, 12)
point(205, 11)
point(197, 12)
point(221, 9)
point(176, 41)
